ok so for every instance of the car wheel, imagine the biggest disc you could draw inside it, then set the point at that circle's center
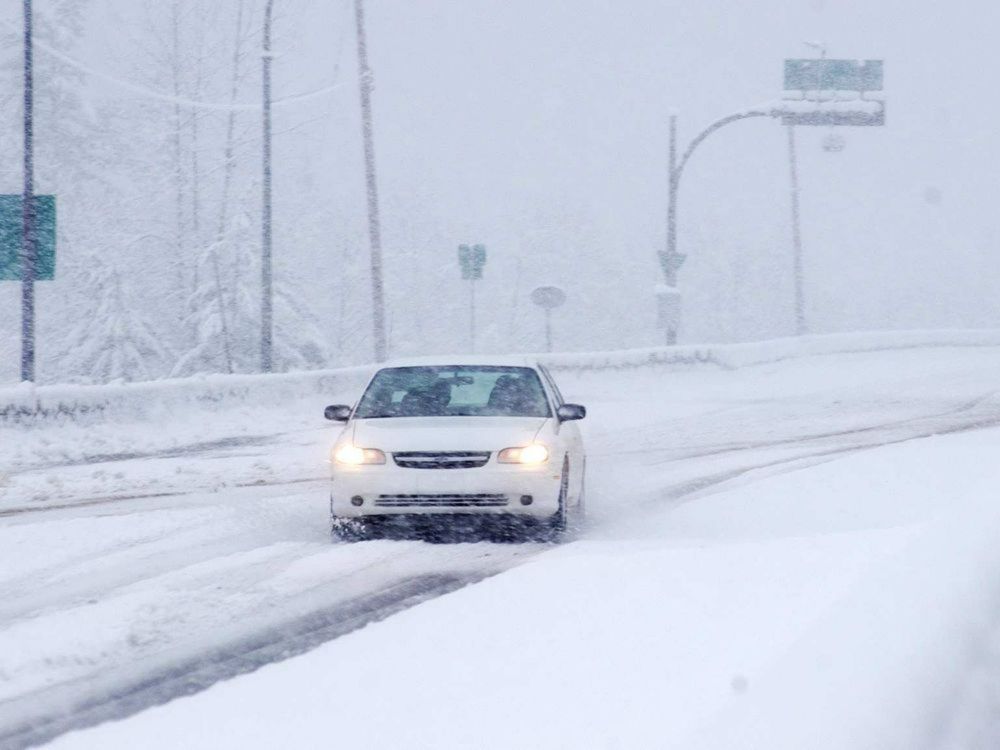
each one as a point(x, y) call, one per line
point(558, 522)
point(350, 530)
point(581, 505)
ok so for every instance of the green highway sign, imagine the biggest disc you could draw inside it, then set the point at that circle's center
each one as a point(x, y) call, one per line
point(471, 260)
point(823, 74)
point(12, 229)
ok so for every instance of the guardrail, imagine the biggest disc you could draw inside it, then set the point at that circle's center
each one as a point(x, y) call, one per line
point(733, 356)
point(27, 403)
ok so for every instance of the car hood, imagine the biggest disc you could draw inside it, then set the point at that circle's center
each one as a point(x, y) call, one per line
point(446, 433)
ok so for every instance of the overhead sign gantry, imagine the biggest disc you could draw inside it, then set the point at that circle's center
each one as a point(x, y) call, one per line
point(818, 92)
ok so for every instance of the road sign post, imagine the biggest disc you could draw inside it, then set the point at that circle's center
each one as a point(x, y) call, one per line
point(548, 298)
point(668, 311)
point(471, 261)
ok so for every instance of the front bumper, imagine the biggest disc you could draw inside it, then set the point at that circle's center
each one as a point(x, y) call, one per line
point(494, 489)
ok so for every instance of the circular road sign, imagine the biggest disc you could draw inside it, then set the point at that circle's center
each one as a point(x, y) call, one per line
point(548, 296)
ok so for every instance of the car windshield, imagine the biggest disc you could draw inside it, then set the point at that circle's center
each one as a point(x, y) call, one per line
point(454, 391)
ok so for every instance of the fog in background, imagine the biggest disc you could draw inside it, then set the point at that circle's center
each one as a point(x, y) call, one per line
point(536, 127)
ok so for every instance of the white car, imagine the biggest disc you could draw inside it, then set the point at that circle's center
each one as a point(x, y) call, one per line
point(452, 443)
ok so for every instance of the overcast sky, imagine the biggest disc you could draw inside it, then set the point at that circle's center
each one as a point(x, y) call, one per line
point(539, 128)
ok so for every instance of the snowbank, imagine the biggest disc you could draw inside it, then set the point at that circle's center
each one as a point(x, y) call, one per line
point(26, 402)
point(733, 356)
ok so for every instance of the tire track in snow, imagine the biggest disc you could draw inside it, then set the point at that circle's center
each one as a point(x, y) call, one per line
point(197, 673)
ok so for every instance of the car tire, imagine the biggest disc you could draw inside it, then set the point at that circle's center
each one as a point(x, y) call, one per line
point(580, 516)
point(350, 530)
point(559, 521)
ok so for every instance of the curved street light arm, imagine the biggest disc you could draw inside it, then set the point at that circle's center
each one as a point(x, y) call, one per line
point(670, 259)
point(716, 126)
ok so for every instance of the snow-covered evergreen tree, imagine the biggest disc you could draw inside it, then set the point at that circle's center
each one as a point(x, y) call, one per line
point(299, 341)
point(113, 340)
point(226, 337)
point(223, 310)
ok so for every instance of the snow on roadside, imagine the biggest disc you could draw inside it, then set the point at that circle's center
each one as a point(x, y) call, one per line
point(830, 607)
point(60, 403)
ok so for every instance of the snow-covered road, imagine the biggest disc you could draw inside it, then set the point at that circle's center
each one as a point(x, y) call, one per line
point(143, 561)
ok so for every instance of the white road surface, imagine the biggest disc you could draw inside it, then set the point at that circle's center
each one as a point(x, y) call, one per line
point(143, 561)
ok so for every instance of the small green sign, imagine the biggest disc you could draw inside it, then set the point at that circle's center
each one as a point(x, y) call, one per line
point(471, 260)
point(671, 263)
point(12, 229)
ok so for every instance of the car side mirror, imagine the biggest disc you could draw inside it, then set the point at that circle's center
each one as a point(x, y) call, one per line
point(569, 412)
point(337, 412)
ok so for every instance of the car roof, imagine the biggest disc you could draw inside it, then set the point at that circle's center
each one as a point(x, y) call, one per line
point(471, 360)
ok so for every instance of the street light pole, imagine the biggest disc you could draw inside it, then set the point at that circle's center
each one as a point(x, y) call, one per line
point(670, 272)
point(670, 259)
point(28, 248)
point(671, 263)
point(800, 304)
point(374, 230)
point(267, 302)
point(472, 316)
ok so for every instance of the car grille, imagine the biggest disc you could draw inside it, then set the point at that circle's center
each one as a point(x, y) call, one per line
point(441, 460)
point(441, 501)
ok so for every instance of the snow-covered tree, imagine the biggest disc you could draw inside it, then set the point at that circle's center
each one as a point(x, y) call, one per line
point(224, 308)
point(226, 337)
point(113, 340)
point(299, 341)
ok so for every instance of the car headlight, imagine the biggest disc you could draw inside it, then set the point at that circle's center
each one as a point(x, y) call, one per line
point(353, 456)
point(529, 454)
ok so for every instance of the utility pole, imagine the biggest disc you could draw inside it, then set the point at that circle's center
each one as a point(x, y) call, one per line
point(374, 231)
point(28, 249)
point(800, 305)
point(267, 302)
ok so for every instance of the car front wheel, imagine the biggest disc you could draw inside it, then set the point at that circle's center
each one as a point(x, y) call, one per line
point(559, 521)
point(350, 530)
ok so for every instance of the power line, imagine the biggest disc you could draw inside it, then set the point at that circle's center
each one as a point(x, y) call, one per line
point(180, 100)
